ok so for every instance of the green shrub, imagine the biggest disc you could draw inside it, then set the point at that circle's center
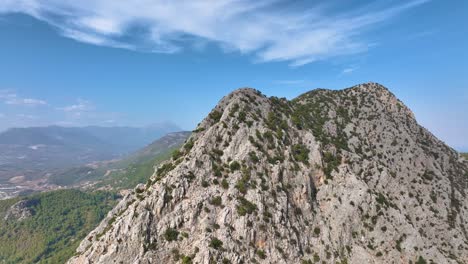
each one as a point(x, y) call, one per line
point(381, 199)
point(234, 166)
point(164, 169)
point(189, 145)
point(216, 243)
point(217, 152)
point(176, 154)
point(171, 234)
point(215, 116)
point(243, 183)
point(296, 120)
point(317, 231)
point(175, 254)
point(224, 184)
point(253, 157)
point(269, 137)
point(259, 135)
point(186, 260)
point(421, 260)
point(428, 175)
point(331, 163)
point(261, 254)
point(216, 201)
point(300, 153)
point(245, 207)
point(272, 120)
point(242, 116)
point(205, 184)
point(316, 257)
point(242, 186)
point(234, 109)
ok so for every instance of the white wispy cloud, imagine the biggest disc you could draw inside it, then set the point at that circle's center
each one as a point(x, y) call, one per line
point(11, 98)
point(82, 109)
point(85, 112)
point(348, 70)
point(269, 29)
point(80, 106)
point(79, 113)
point(25, 101)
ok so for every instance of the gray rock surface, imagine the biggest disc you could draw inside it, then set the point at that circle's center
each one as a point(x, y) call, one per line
point(335, 176)
point(20, 211)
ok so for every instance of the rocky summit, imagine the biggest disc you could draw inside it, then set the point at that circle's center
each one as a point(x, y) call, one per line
point(342, 176)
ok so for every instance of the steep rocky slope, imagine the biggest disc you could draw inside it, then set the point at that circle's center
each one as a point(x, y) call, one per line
point(332, 177)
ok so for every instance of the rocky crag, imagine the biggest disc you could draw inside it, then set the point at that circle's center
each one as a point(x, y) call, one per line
point(330, 177)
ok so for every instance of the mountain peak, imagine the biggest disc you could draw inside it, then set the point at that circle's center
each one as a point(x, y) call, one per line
point(372, 87)
point(246, 90)
point(241, 93)
point(339, 176)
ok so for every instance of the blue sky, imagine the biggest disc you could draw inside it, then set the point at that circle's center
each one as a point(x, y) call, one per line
point(106, 62)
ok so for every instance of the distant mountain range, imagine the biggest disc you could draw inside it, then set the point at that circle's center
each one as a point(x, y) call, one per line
point(124, 173)
point(32, 154)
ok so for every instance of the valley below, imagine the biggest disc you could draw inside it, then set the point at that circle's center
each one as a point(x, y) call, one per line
point(50, 158)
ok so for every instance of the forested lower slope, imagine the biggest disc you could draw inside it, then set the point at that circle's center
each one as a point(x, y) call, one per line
point(47, 227)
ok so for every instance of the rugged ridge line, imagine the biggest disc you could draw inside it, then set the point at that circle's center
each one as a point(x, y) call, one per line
point(337, 176)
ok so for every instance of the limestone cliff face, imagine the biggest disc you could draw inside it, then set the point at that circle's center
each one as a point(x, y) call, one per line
point(336, 176)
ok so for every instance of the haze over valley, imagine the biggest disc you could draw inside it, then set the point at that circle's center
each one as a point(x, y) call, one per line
point(40, 158)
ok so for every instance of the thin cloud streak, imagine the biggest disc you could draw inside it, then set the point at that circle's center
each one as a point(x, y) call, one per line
point(10, 98)
point(348, 70)
point(80, 106)
point(25, 112)
point(259, 27)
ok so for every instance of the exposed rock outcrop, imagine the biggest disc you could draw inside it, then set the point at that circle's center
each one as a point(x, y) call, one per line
point(20, 210)
point(337, 176)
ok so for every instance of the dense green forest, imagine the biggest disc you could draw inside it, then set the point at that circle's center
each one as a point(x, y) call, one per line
point(59, 221)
